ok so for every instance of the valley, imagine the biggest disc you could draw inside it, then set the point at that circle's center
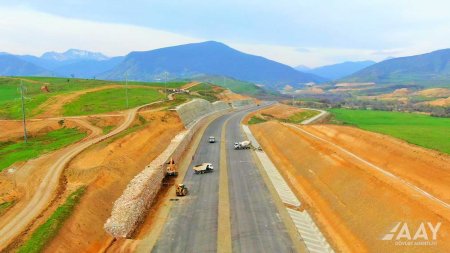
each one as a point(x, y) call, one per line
point(130, 138)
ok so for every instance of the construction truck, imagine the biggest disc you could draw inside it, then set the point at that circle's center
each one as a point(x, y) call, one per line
point(243, 145)
point(212, 139)
point(181, 190)
point(171, 169)
point(203, 168)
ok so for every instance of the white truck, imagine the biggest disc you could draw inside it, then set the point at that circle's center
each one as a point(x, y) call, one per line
point(243, 145)
point(203, 168)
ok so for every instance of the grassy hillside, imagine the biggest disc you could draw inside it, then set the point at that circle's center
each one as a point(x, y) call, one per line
point(422, 130)
point(11, 152)
point(111, 100)
point(207, 91)
point(233, 85)
point(10, 104)
point(431, 69)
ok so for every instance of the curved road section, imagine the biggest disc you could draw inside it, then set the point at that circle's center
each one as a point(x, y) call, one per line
point(256, 226)
point(46, 189)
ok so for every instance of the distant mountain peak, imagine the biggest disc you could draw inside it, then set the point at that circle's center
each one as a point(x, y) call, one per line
point(302, 68)
point(74, 54)
point(340, 70)
point(208, 58)
point(425, 69)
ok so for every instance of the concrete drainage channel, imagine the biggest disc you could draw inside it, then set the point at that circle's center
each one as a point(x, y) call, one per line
point(307, 229)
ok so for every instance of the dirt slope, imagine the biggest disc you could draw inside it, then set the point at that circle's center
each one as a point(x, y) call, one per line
point(107, 169)
point(190, 85)
point(228, 95)
point(280, 111)
point(353, 204)
point(28, 175)
point(13, 226)
point(440, 102)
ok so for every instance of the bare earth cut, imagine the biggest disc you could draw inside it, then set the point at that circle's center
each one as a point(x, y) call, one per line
point(107, 169)
point(353, 203)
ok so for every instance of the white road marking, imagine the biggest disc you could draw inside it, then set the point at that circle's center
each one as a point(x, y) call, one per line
point(307, 229)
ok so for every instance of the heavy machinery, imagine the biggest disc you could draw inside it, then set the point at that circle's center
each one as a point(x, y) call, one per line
point(171, 169)
point(243, 145)
point(181, 190)
point(203, 168)
point(212, 139)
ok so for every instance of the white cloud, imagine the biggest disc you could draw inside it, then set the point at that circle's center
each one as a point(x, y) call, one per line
point(26, 31)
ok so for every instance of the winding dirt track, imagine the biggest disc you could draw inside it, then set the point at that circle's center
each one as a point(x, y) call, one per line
point(49, 184)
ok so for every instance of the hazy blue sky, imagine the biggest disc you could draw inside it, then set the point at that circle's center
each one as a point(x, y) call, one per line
point(305, 32)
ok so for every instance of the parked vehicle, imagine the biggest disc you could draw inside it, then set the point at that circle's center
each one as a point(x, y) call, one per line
point(203, 168)
point(243, 145)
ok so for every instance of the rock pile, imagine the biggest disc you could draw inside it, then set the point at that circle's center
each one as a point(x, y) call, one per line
point(131, 208)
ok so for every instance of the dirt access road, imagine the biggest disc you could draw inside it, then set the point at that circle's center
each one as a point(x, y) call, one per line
point(49, 184)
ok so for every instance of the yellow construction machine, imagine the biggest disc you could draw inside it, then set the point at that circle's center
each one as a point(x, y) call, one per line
point(181, 190)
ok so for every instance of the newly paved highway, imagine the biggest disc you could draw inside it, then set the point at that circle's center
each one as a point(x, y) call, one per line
point(256, 226)
point(192, 223)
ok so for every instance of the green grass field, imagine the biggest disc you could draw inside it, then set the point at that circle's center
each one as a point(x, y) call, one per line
point(207, 91)
point(11, 152)
point(422, 130)
point(10, 103)
point(110, 100)
point(256, 120)
point(301, 116)
point(47, 231)
point(5, 206)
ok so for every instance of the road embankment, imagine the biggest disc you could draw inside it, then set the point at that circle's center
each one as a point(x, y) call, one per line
point(132, 206)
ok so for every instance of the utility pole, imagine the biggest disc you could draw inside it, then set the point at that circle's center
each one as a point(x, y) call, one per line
point(165, 84)
point(126, 87)
point(293, 100)
point(25, 135)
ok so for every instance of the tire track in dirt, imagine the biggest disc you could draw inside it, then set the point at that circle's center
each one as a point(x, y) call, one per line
point(45, 192)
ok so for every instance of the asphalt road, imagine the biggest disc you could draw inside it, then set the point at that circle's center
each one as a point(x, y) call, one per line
point(256, 225)
point(192, 224)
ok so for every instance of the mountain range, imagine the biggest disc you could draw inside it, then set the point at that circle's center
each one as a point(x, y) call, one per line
point(11, 65)
point(425, 69)
point(73, 62)
point(184, 61)
point(337, 71)
point(212, 58)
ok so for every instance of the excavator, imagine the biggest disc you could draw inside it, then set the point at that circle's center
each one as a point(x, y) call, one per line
point(171, 169)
